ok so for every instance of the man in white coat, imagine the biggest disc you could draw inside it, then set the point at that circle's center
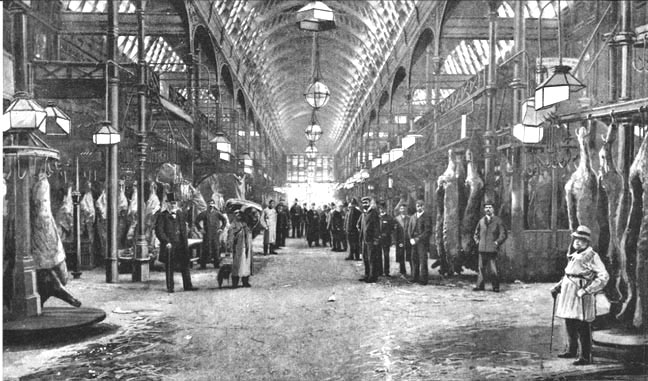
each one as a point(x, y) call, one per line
point(585, 275)
point(270, 234)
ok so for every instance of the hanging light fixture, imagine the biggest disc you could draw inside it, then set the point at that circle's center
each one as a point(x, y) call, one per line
point(311, 151)
point(106, 135)
point(23, 114)
point(223, 144)
point(317, 94)
point(561, 82)
point(313, 130)
point(315, 17)
point(395, 154)
point(57, 122)
point(531, 129)
point(384, 158)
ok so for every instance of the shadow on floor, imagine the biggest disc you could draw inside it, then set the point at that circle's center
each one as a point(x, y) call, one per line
point(53, 339)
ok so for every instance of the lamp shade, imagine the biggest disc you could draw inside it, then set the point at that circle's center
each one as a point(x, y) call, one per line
point(385, 157)
point(532, 117)
point(222, 142)
point(311, 151)
point(376, 161)
point(315, 17)
point(395, 154)
point(57, 122)
point(317, 94)
point(313, 132)
point(364, 174)
point(224, 156)
point(106, 135)
point(408, 141)
point(390, 182)
point(528, 134)
point(246, 159)
point(557, 87)
point(23, 114)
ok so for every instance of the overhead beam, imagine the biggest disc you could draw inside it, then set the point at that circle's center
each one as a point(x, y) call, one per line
point(157, 24)
point(476, 28)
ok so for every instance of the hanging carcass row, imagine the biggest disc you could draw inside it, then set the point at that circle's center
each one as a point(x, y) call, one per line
point(635, 242)
point(581, 190)
point(453, 190)
point(47, 247)
point(612, 195)
point(475, 190)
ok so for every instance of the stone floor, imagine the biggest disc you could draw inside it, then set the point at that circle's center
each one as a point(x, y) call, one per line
point(307, 317)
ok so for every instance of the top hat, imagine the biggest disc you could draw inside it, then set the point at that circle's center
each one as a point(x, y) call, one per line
point(170, 197)
point(583, 232)
point(489, 202)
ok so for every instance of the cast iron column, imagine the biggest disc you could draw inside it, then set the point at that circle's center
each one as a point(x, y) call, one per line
point(624, 40)
point(112, 275)
point(491, 92)
point(141, 260)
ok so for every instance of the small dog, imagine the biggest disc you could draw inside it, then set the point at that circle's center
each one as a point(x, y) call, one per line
point(224, 272)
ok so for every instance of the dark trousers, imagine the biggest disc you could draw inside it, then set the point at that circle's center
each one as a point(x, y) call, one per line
point(488, 263)
point(296, 231)
point(302, 229)
point(210, 251)
point(420, 262)
point(578, 330)
point(384, 261)
point(343, 238)
point(371, 256)
point(354, 245)
point(403, 254)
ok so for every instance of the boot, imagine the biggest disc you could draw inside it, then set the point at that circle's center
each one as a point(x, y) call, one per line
point(272, 249)
point(246, 282)
point(235, 281)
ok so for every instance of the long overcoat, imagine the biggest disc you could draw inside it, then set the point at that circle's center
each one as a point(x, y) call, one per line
point(173, 230)
point(240, 239)
point(584, 270)
point(270, 220)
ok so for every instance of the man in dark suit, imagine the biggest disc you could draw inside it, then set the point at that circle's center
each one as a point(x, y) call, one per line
point(283, 225)
point(369, 226)
point(490, 234)
point(171, 230)
point(420, 230)
point(337, 227)
point(401, 239)
point(387, 223)
point(351, 229)
point(296, 219)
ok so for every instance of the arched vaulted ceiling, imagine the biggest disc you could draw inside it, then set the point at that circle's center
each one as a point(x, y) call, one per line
point(277, 57)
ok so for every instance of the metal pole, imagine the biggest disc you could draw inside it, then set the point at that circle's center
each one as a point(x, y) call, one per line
point(553, 318)
point(112, 274)
point(491, 92)
point(141, 261)
point(76, 199)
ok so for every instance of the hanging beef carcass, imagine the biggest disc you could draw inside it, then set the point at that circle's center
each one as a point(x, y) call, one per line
point(131, 215)
point(452, 181)
point(475, 189)
point(65, 216)
point(612, 186)
point(122, 216)
point(152, 207)
point(87, 210)
point(47, 247)
point(581, 190)
point(635, 242)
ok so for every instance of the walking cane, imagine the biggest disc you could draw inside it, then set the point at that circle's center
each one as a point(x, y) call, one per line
point(553, 316)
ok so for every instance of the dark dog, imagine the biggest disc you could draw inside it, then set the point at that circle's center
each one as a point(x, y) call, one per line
point(224, 272)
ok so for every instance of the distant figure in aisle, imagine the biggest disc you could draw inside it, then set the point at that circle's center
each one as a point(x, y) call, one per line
point(337, 227)
point(345, 213)
point(296, 219)
point(402, 239)
point(239, 238)
point(312, 226)
point(490, 234)
point(302, 225)
point(585, 275)
point(270, 234)
point(212, 222)
point(283, 224)
point(325, 235)
point(370, 238)
point(171, 230)
point(351, 229)
point(420, 230)
point(387, 223)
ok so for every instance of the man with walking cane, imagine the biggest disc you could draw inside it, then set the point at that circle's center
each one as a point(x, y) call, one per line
point(574, 295)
